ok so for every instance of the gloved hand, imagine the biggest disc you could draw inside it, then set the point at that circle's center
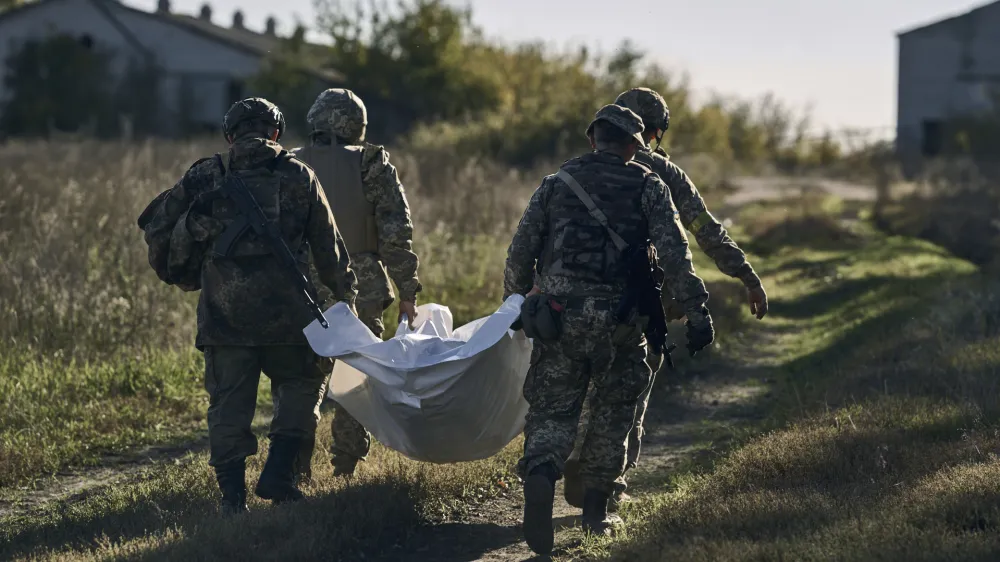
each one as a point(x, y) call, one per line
point(672, 309)
point(758, 301)
point(517, 325)
point(700, 331)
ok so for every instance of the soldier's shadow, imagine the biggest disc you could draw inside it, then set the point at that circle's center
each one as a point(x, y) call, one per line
point(468, 542)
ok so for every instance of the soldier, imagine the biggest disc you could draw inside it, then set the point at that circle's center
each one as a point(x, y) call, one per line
point(713, 240)
point(579, 269)
point(371, 209)
point(250, 318)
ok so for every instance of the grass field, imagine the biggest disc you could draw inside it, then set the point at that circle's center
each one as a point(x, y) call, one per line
point(879, 435)
point(876, 438)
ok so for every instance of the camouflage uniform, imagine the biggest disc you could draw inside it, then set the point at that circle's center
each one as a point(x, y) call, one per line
point(250, 318)
point(339, 119)
point(577, 265)
point(708, 232)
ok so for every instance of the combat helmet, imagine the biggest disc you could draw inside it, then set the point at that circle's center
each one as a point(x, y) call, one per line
point(253, 109)
point(339, 112)
point(621, 117)
point(649, 105)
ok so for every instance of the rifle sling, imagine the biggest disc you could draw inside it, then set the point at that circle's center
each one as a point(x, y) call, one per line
point(226, 241)
point(599, 216)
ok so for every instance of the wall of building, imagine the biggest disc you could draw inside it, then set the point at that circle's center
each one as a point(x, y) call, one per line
point(197, 73)
point(944, 70)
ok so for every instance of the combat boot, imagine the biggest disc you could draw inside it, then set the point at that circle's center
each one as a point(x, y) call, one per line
point(302, 468)
point(573, 484)
point(596, 520)
point(233, 485)
point(277, 480)
point(618, 497)
point(344, 465)
point(539, 493)
point(617, 500)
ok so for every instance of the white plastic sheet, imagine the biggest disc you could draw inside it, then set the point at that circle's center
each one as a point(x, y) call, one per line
point(432, 393)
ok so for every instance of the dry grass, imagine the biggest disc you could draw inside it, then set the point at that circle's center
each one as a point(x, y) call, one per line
point(95, 352)
point(880, 436)
point(171, 513)
point(96, 359)
point(879, 439)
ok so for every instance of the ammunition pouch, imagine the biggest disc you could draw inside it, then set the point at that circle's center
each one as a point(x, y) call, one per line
point(541, 318)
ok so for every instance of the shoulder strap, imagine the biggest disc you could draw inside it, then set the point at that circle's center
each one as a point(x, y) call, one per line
point(283, 155)
point(220, 163)
point(569, 180)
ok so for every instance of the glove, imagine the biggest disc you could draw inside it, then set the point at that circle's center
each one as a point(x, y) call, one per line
point(700, 332)
point(517, 325)
point(672, 310)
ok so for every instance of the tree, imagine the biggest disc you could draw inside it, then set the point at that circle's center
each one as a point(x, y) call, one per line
point(58, 83)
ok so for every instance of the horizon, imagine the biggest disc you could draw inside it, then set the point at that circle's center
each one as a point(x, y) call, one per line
point(781, 47)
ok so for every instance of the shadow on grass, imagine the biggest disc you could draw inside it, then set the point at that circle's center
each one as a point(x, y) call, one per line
point(175, 518)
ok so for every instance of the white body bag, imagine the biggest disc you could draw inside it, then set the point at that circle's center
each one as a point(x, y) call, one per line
point(433, 394)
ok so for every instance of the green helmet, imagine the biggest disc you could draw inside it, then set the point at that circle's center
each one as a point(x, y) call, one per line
point(340, 112)
point(251, 110)
point(649, 105)
point(621, 117)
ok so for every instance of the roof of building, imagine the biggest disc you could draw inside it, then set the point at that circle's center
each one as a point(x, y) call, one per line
point(948, 20)
point(241, 38)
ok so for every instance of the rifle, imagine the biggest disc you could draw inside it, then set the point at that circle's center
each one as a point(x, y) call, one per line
point(252, 217)
point(642, 297)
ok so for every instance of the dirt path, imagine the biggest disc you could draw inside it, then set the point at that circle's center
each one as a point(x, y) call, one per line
point(751, 189)
point(76, 483)
point(714, 393)
point(675, 432)
point(674, 426)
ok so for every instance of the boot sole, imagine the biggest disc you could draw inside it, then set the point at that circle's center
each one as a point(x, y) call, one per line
point(538, 498)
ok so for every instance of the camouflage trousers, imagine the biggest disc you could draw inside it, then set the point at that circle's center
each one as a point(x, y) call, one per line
point(232, 374)
point(350, 439)
point(634, 444)
point(556, 387)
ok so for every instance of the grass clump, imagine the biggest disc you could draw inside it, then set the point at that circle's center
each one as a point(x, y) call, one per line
point(877, 439)
point(170, 513)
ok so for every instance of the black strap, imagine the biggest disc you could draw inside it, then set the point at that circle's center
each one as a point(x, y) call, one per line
point(282, 156)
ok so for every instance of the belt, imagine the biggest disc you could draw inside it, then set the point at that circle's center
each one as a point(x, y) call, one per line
point(599, 303)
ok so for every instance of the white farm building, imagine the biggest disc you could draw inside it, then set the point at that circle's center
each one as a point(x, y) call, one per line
point(198, 62)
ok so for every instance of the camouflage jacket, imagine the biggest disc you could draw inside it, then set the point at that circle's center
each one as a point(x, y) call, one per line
point(249, 301)
point(658, 215)
point(395, 233)
point(709, 233)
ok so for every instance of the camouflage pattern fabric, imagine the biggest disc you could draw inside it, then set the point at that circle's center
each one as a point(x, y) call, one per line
point(648, 105)
point(708, 232)
point(657, 213)
point(557, 382)
point(231, 377)
point(350, 438)
point(634, 441)
point(621, 117)
point(556, 386)
point(395, 232)
point(340, 112)
point(250, 302)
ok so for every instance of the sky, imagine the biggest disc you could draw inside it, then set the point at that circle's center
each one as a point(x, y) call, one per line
point(834, 58)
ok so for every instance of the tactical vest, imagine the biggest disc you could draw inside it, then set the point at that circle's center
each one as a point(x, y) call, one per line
point(647, 159)
point(264, 185)
point(339, 171)
point(577, 246)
